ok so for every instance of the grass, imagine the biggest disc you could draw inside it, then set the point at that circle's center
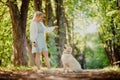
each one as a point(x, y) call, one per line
point(113, 69)
point(26, 68)
point(17, 68)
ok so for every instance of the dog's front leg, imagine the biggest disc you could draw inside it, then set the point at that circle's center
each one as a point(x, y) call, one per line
point(65, 68)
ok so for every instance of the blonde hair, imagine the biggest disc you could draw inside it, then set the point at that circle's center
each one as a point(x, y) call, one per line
point(36, 14)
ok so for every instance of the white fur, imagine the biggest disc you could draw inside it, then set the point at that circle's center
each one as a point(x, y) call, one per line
point(68, 61)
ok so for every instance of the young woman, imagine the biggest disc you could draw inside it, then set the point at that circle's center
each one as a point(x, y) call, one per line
point(37, 30)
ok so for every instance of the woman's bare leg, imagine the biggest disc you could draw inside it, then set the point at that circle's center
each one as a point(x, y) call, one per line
point(37, 60)
point(45, 54)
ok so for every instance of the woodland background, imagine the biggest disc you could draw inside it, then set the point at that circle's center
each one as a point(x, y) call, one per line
point(91, 27)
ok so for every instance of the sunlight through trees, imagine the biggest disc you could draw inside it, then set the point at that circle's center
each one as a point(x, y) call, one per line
point(91, 27)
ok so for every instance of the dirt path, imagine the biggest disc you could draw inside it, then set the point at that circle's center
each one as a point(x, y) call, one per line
point(59, 75)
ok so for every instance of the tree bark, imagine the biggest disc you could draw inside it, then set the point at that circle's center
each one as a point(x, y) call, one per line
point(113, 48)
point(118, 4)
point(49, 15)
point(31, 56)
point(19, 30)
point(38, 5)
point(60, 15)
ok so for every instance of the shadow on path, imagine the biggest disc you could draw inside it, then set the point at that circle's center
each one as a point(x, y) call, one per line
point(58, 74)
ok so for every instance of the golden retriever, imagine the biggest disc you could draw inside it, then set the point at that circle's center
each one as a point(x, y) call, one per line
point(69, 62)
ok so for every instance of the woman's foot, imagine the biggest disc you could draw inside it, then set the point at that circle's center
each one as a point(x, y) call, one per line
point(39, 71)
point(50, 70)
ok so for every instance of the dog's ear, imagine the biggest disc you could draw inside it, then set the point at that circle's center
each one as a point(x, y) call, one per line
point(64, 47)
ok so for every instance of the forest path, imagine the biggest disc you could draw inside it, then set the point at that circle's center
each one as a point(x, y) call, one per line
point(57, 74)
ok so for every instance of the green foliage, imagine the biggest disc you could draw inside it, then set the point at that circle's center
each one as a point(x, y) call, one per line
point(6, 36)
point(17, 68)
point(100, 12)
point(111, 19)
point(96, 59)
point(53, 50)
point(84, 12)
point(93, 49)
point(113, 69)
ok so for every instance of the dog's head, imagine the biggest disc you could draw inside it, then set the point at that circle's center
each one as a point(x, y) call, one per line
point(67, 49)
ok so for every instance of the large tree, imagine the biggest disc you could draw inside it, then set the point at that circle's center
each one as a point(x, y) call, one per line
point(19, 17)
point(110, 30)
point(60, 15)
point(49, 13)
point(38, 5)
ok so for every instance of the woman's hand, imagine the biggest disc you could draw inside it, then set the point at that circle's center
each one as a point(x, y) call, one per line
point(34, 44)
point(56, 27)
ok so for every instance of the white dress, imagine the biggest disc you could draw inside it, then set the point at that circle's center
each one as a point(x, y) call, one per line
point(37, 31)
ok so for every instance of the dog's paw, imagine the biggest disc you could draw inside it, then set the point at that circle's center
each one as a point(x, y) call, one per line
point(68, 71)
point(65, 71)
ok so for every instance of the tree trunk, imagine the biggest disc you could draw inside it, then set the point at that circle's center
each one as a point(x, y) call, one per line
point(60, 22)
point(49, 15)
point(118, 4)
point(38, 5)
point(19, 31)
point(60, 15)
point(72, 37)
point(31, 56)
point(113, 48)
point(118, 48)
point(70, 33)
